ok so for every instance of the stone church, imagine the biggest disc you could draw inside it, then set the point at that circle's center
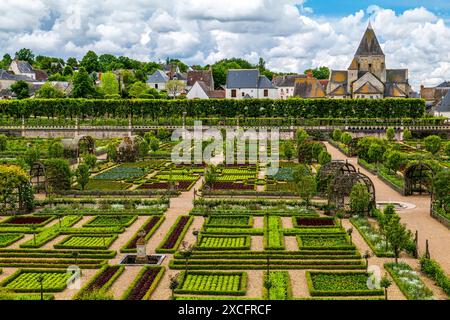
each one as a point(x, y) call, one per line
point(367, 76)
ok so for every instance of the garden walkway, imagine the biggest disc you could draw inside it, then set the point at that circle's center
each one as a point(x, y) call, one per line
point(416, 219)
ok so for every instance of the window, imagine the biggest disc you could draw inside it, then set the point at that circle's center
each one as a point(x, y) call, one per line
point(243, 94)
point(266, 93)
point(233, 93)
point(156, 86)
point(370, 66)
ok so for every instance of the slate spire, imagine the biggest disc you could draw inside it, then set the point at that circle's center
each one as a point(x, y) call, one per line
point(369, 45)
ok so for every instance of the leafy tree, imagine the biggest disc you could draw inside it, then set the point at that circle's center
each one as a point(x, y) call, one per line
point(375, 152)
point(288, 149)
point(82, 174)
point(324, 158)
point(210, 175)
point(307, 188)
point(385, 283)
point(58, 174)
point(154, 144)
point(321, 73)
point(83, 86)
point(390, 134)
point(163, 134)
point(441, 189)
point(447, 149)
point(56, 150)
point(383, 220)
point(6, 61)
point(300, 136)
point(359, 199)
point(90, 160)
point(25, 55)
point(337, 134)
point(31, 156)
point(111, 151)
point(433, 144)
point(148, 136)
point(346, 138)
point(67, 71)
point(143, 148)
point(48, 91)
point(72, 62)
point(21, 89)
point(407, 135)
point(90, 62)
point(3, 142)
point(393, 160)
point(109, 85)
point(137, 89)
point(175, 88)
point(316, 149)
point(397, 235)
point(12, 179)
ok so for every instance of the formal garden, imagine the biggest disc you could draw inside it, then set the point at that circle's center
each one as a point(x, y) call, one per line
point(90, 210)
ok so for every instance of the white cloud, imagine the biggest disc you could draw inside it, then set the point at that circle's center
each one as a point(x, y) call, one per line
point(283, 32)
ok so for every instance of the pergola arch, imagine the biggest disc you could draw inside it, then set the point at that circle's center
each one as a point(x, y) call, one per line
point(342, 186)
point(73, 146)
point(418, 179)
point(328, 172)
point(38, 177)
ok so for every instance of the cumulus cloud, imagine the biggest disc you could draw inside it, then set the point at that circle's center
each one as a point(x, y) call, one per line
point(284, 32)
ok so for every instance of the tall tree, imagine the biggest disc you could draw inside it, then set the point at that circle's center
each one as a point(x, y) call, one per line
point(175, 88)
point(48, 91)
point(21, 89)
point(25, 55)
point(397, 235)
point(110, 85)
point(83, 86)
point(82, 174)
point(90, 62)
point(72, 62)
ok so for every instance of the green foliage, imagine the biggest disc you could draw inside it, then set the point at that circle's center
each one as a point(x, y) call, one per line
point(213, 283)
point(58, 174)
point(307, 187)
point(398, 235)
point(432, 269)
point(31, 156)
point(393, 160)
point(321, 73)
point(324, 158)
point(56, 150)
point(90, 160)
point(83, 85)
point(409, 281)
point(433, 144)
point(295, 108)
point(300, 136)
point(48, 91)
point(15, 189)
point(90, 62)
point(154, 144)
point(110, 85)
point(3, 142)
point(337, 133)
point(447, 149)
point(407, 135)
point(21, 89)
point(360, 199)
point(390, 134)
point(82, 174)
point(25, 54)
point(137, 89)
point(111, 151)
point(441, 189)
point(288, 149)
point(346, 138)
point(175, 88)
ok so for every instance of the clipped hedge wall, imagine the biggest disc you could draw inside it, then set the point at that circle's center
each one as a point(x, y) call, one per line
point(299, 108)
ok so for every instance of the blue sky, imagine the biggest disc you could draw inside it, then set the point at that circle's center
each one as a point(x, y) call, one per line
point(339, 8)
point(413, 34)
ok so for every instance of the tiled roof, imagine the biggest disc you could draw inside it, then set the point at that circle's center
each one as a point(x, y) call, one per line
point(5, 75)
point(427, 93)
point(24, 67)
point(339, 91)
point(158, 77)
point(286, 81)
point(445, 84)
point(216, 94)
point(368, 88)
point(200, 75)
point(308, 88)
point(41, 75)
point(393, 90)
point(444, 106)
point(397, 75)
point(246, 78)
point(339, 76)
point(264, 83)
point(353, 65)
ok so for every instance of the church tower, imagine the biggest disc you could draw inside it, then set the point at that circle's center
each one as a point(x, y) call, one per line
point(369, 57)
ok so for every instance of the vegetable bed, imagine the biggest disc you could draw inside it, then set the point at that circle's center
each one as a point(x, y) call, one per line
point(224, 243)
point(8, 239)
point(144, 284)
point(27, 281)
point(86, 242)
point(111, 221)
point(213, 283)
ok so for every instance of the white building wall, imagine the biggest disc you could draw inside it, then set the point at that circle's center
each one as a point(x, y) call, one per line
point(252, 92)
point(157, 86)
point(285, 93)
point(197, 92)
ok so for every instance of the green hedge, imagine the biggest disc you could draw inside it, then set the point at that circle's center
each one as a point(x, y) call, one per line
point(298, 108)
point(435, 272)
point(240, 292)
point(105, 287)
point(180, 238)
point(148, 235)
point(153, 286)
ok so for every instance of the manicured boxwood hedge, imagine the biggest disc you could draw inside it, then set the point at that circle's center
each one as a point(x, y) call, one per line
point(175, 235)
point(298, 108)
point(86, 242)
point(7, 239)
point(281, 286)
point(25, 280)
point(227, 221)
point(223, 242)
point(102, 280)
point(144, 284)
point(435, 272)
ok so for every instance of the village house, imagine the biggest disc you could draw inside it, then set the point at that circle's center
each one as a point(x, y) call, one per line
point(434, 95)
point(249, 84)
point(443, 107)
point(286, 85)
point(367, 76)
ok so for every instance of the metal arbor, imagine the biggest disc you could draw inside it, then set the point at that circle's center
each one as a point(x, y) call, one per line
point(341, 188)
point(80, 143)
point(330, 171)
point(418, 179)
point(38, 177)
